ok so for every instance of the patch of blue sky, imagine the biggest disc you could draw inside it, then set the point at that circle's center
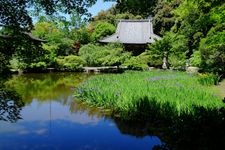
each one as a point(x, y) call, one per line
point(99, 6)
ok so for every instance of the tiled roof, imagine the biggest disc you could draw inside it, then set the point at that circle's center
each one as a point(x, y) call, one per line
point(30, 36)
point(133, 32)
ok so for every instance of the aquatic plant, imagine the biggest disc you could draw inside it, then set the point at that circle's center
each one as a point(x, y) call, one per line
point(149, 95)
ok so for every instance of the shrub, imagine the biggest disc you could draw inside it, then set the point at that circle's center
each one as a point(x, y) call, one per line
point(109, 55)
point(92, 53)
point(116, 57)
point(157, 51)
point(177, 61)
point(138, 63)
point(14, 63)
point(33, 67)
point(70, 63)
point(195, 59)
point(38, 65)
point(208, 79)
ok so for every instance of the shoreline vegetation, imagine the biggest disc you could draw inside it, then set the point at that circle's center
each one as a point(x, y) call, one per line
point(155, 96)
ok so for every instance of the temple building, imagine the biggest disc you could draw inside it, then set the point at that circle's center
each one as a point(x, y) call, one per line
point(134, 34)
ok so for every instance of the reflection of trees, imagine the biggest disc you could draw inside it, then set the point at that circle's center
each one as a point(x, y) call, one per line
point(77, 106)
point(10, 106)
point(138, 129)
point(45, 87)
point(80, 107)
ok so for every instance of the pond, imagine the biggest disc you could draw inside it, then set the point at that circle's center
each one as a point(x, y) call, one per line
point(46, 116)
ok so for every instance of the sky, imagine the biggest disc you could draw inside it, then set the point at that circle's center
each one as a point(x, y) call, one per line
point(94, 10)
point(100, 5)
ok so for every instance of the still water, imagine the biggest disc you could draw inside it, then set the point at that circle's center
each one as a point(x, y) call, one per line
point(48, 117)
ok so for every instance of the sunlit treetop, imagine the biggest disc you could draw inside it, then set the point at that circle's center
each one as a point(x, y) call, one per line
point(136, 7)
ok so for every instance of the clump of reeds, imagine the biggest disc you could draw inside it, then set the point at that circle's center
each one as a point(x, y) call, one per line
point(149, 95)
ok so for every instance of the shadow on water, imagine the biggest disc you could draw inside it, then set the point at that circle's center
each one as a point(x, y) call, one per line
point(196, 134)
point(177, 137)
point(20, 92)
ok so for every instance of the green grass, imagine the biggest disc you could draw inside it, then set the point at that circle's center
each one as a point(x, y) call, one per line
point(149, 95)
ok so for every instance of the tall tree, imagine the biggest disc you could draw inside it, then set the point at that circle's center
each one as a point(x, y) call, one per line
point(136, 7)
point(164, 18)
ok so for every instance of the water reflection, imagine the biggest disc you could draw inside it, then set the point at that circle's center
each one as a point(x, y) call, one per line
point(10, 106)
point(52, 119)
point(44, 87)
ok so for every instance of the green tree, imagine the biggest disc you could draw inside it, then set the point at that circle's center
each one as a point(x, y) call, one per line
point(23, 50)
point(102, 29)
point(175, 48)
point(164, 18)
point(136, 7)
point(212, 49)
point(112, 16)
point(58, 43)
point(193, 20)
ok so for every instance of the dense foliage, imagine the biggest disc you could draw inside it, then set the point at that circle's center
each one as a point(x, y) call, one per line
point(164, 18)
point(102, 30)
point(16, 21)
point(192, 31)
point(112, 16)
point(109, 55)
point(140, 62)
point(169, 95)
point(196, 33)
point(136, 7)
point(174, 46)
point(70, 63)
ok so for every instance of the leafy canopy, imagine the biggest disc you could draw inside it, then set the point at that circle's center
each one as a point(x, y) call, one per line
point(136, 7)
point(16, 13)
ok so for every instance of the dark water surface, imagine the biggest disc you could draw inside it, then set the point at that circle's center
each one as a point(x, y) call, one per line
point(48, 117)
